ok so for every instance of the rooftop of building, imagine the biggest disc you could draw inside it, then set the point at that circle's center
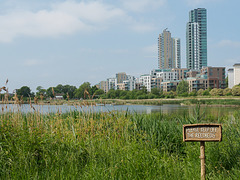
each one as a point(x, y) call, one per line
point(145, 75)
point(237, 64)
point(171, 81)
point(212, 67)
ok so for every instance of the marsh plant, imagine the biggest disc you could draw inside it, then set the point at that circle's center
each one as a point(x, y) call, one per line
point(112, 145)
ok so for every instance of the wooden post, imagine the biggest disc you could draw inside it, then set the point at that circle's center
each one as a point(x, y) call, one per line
point(202, 133)
point(202, 157)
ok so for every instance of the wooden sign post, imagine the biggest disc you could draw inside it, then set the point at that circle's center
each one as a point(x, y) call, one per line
point(201, 133)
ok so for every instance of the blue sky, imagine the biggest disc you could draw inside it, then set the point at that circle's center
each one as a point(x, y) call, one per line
point(51, 42)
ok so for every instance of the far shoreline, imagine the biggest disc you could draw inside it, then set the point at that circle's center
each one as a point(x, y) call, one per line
point(185, 101)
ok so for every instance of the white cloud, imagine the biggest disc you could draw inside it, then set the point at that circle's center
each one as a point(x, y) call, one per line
point(229, 62)
point(142, 5)
point(69, 17)
point(94, 12)
point(62, 18)
point(151, 49)
point(200, 2)
point(31, 62)
point(141, 27)
point(229, 43)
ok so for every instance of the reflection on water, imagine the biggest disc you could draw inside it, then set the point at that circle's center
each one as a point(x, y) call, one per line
point(166, 109)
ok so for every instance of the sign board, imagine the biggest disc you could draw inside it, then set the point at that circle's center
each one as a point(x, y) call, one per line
point(202, 132)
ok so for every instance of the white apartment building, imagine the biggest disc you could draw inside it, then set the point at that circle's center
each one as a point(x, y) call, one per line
point(230, 78)
point(167, 76)
point(111, 83)
point(145, 80)
point(130, 83)
point(234, 75)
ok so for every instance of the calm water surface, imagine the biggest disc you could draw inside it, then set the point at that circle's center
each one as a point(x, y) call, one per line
point(166, 109)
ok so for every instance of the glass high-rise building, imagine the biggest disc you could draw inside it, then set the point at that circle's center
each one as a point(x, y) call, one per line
point(196, 39)
point(169, 52)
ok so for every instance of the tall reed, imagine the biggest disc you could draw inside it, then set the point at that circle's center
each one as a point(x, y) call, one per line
point(112, 145)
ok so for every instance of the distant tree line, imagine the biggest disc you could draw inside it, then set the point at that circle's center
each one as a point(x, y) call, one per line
point(86, 91)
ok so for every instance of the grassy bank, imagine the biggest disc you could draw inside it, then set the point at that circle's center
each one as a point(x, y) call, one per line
point(112, 145)
point(224, 101)
point(185, 101)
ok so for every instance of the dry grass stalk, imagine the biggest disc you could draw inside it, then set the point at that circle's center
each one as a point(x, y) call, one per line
point(21, 100)
point(86, 93)
point(30, 102)
point(41, 97)
point(35, 100)
point(67, 96)
point(53, 92)
point(15, 98)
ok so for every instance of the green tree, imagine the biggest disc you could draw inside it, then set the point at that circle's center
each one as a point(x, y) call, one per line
point(111, 94)
point(59, 88)
point(67, 89)
point(25, 91)
point(49, 92)
point(118, 93)
point(93, 90)
point(144, 90)
point(182, 88)
point(156, 91)
point(40, 91)
point(80, 92)
point(123, 94)
point(226, 81)
point(99, 92)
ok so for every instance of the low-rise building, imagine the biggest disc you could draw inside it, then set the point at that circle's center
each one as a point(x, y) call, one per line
point(192, 73)
point(156, 83)
point(104, 86)
point(169, 85)
point(197, 83)
point(181, 73)
point(207, 78)
point(120, 86)
point(215, 77)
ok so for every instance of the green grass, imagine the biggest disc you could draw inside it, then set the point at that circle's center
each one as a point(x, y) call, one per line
point(114, 145)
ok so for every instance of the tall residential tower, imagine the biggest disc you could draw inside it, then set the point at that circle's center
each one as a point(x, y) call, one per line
point(169, 55)
point(196, 39)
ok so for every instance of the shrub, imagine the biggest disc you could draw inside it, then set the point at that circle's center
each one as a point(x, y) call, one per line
point(216, 92)
point(206, 92)
point(227, 92)
point(193, 93)
point(185, 94)
point(200, 92)
point(236, 91)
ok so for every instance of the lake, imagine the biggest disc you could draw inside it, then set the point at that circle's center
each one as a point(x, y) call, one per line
point(166, 109)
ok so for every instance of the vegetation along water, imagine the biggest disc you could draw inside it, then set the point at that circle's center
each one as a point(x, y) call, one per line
point(113, 145)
